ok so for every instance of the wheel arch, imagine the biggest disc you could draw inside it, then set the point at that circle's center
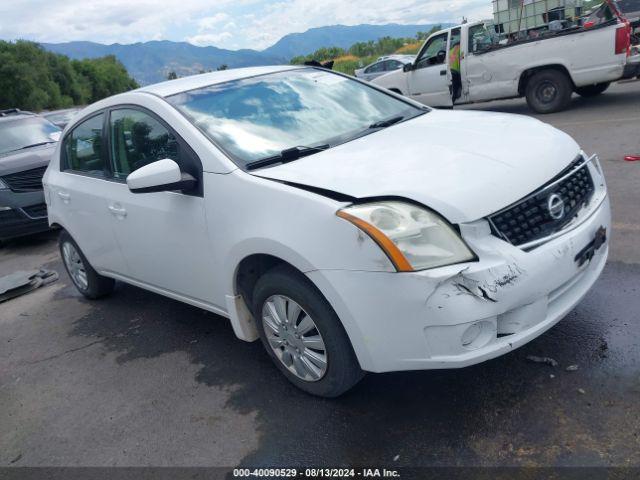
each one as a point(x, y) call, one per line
point(526, 75)
point(245, 263)
point(251, 268)
point(252, 265)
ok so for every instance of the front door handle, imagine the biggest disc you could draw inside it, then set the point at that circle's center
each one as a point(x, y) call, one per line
point(117, 211)
point(64, 196)
point(443, 73)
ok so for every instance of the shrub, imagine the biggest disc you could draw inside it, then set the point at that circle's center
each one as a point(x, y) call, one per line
point(409, 49)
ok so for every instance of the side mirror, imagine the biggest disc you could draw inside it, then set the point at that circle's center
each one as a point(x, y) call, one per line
point(441, 56)
point(407, 67)
point(161, 176)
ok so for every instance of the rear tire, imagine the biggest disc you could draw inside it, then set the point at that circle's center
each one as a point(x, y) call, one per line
point(88, 282)
point(548, 91)
point(287, 294)
point(592, 90)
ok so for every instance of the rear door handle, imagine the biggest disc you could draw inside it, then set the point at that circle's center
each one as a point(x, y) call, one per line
point(117, 211)
point(64, 196)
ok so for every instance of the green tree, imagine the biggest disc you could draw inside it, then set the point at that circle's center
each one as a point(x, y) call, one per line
point(33, 79)
point(321, 55)
point(106, 75)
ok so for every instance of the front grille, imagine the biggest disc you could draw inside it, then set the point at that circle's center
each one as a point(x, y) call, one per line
point(26, 181)
point(530, 219)
point(36, 211)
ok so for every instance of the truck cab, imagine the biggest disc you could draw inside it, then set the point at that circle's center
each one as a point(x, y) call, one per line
point(546, 68)
point(428, 78)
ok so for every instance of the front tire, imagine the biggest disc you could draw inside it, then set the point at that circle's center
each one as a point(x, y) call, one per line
point(592, 90)
point(548, 91)
point(88, 282)
point(303, 335)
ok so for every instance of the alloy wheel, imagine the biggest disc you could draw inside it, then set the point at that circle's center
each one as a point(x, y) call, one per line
point(294, 338)
point(75, 266)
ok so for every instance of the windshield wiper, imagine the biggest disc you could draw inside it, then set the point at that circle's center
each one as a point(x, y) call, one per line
point(286, 156)
point(386, 123)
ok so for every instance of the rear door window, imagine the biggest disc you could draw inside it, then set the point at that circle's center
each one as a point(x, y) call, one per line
point(83, 149)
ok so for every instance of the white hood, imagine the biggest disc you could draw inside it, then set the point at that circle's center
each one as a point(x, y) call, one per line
point(464, 165)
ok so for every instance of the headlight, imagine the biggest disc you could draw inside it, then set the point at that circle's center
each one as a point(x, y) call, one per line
point(412, 237)
point(596, 163)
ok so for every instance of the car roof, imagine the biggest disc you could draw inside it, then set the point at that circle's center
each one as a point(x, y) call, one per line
point(172, 87)
point(393, 57)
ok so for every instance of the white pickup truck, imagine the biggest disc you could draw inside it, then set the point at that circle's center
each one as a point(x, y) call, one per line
point(546, 70)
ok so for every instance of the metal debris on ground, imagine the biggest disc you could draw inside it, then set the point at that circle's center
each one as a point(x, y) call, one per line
point(572, 368)
point(547, 360)
point(23, 281)
point(603, 348)
point(581, 391)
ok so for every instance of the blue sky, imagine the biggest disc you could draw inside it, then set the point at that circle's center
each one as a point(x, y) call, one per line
point(229, 24)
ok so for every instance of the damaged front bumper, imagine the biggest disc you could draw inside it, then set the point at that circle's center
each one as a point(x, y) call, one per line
point(461, 315)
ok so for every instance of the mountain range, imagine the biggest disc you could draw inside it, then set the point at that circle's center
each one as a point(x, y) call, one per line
point(150, 62)
point(342, 36)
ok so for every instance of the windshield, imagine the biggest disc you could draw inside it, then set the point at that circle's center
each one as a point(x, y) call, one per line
point(256, 118)
point(25, 132)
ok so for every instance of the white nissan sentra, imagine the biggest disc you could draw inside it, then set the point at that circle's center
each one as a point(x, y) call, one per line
point(349, 228)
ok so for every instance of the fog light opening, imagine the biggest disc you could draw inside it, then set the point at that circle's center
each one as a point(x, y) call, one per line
point(471, 334)
point(477, 335)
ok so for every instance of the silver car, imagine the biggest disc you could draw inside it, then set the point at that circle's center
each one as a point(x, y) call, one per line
point(383, 65)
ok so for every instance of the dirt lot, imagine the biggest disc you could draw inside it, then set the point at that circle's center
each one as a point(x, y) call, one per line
point(138, 379)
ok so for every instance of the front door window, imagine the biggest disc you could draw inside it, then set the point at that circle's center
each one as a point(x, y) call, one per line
point(434, 52)
point(137, 139)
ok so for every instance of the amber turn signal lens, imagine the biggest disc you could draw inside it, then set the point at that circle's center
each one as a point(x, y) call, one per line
point(395, 255)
